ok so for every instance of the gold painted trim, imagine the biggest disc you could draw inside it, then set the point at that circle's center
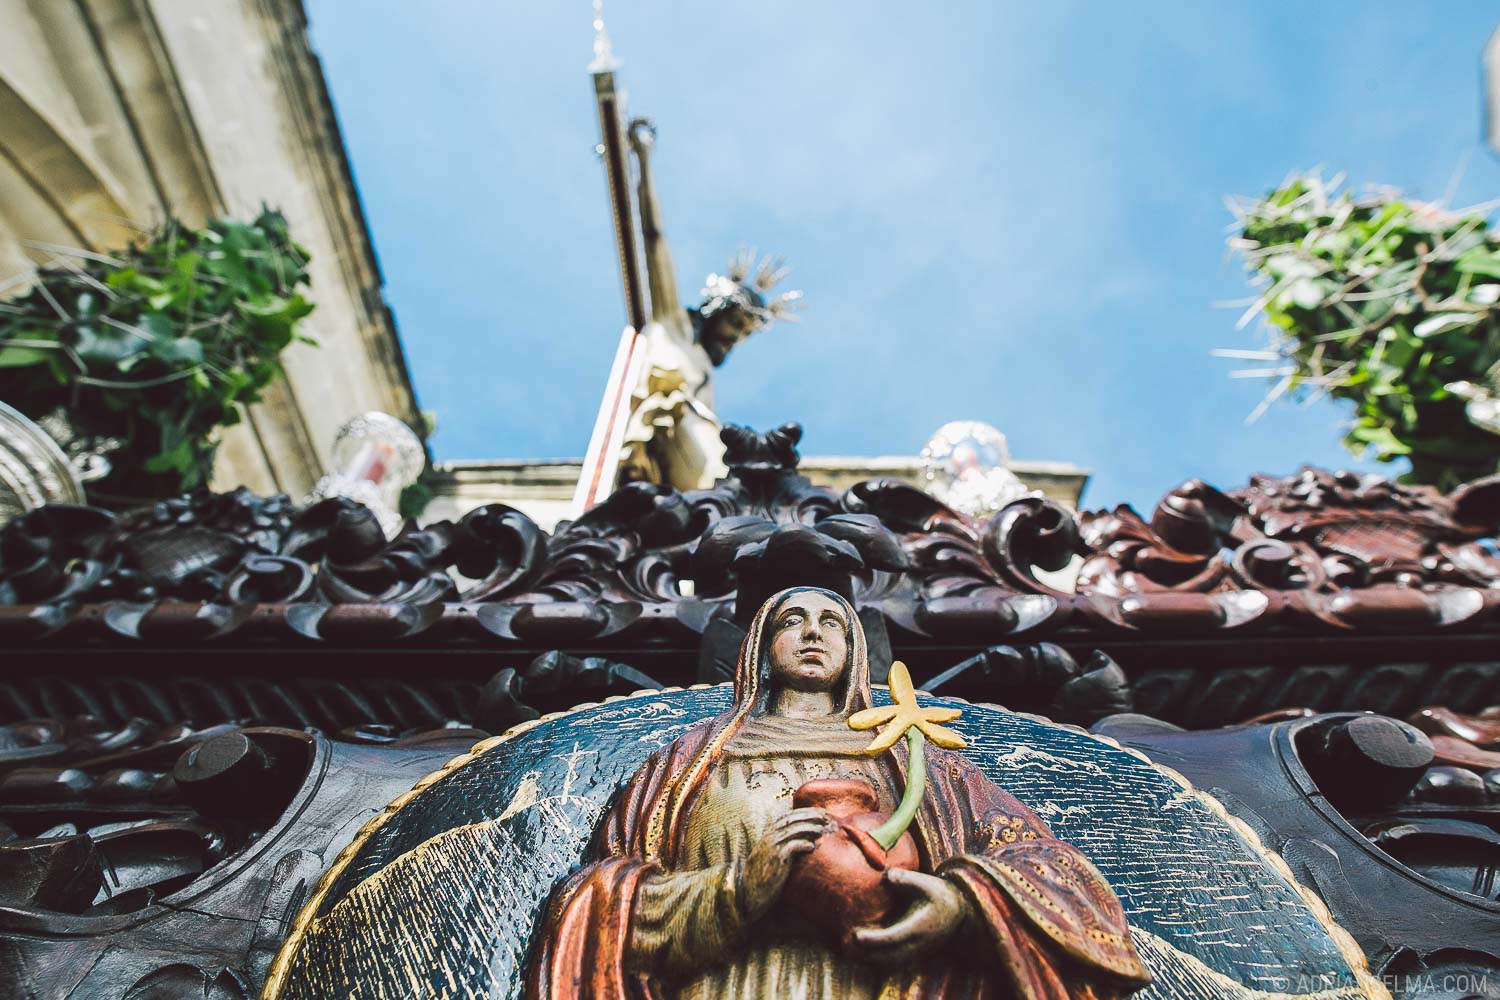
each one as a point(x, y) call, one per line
point(275, 979)
point(1353, 955)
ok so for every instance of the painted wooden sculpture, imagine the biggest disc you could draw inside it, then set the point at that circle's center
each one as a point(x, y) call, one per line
point(774, 850)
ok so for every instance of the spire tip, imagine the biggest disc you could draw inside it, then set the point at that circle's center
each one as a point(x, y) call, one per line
point(604, 53)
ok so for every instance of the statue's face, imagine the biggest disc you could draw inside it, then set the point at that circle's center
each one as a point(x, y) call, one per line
point(809, 642)
point(727, 329)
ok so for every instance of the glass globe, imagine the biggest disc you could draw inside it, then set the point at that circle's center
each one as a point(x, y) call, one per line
point(33, 469)
point(966, 466)
point(375, 457)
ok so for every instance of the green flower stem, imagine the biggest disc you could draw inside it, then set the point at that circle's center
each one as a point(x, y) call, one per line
point(891, 830)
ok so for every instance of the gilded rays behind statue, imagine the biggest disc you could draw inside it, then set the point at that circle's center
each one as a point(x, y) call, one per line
point(753, 856)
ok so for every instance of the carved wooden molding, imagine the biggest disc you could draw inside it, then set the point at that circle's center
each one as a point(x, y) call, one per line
point(1315, 552)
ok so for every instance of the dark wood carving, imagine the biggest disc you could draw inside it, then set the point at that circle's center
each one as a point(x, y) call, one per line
point(239, 548)
point(1339, 579)
point(99, 821)
point(760, 526)
point(1313, 531)
point(1316, 551)
point(1341, 798)
point(164, 861)
point(155, 656)
point(1043, 678)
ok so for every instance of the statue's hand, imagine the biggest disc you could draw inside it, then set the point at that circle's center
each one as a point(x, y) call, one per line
point(770, 862)
point(935, 915)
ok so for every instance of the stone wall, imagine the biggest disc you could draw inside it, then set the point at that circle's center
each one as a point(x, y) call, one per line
point(543, 489)
point(115, 114)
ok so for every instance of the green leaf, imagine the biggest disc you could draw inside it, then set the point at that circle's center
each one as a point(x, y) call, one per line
point(178, 350)
point(213, 307)
point(106, 346)
point(12, 356)
point(1353, 282)
point(1479, 261)
point(266, 307)
point(1382, 439)
point(1401, 349)
point(121, 278)
point(414, 500)
point(176, 459)
point(186, 265)
point(236, 379)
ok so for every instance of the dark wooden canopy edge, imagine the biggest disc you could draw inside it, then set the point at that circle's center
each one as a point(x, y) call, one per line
point(1327, 590)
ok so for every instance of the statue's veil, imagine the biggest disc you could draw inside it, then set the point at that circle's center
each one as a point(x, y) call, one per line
point(751, 677)
point(752, 672)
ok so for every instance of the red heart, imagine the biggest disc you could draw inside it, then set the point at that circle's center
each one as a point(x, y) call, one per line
point(840, 885)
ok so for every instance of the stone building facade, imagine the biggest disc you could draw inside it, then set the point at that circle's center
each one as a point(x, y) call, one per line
point(543, 489)
point(117, 114)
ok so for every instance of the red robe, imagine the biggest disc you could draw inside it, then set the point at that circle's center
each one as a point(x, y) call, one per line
point(1056, 928)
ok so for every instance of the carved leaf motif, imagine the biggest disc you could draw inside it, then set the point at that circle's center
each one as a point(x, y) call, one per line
point(1129, 557)
point(886, 540)
point(941, 546)
point(1314, 531)
point(1031, 532)
point(270, 580)
point(499, 547)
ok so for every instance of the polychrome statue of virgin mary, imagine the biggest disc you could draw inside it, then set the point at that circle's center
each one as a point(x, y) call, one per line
point(692, 889)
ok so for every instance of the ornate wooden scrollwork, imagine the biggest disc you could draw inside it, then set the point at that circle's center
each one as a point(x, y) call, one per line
point(1315, 550)
point(1315, 531)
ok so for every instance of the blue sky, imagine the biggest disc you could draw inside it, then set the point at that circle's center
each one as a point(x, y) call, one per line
point(998, 211)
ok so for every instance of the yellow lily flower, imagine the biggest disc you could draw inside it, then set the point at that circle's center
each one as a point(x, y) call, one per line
point(904, 714)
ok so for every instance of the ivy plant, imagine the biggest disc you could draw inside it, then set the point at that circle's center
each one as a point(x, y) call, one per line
point(1386, 302)
point(158, 346)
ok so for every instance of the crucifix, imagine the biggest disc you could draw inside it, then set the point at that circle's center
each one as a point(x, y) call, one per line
point(656, 421)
